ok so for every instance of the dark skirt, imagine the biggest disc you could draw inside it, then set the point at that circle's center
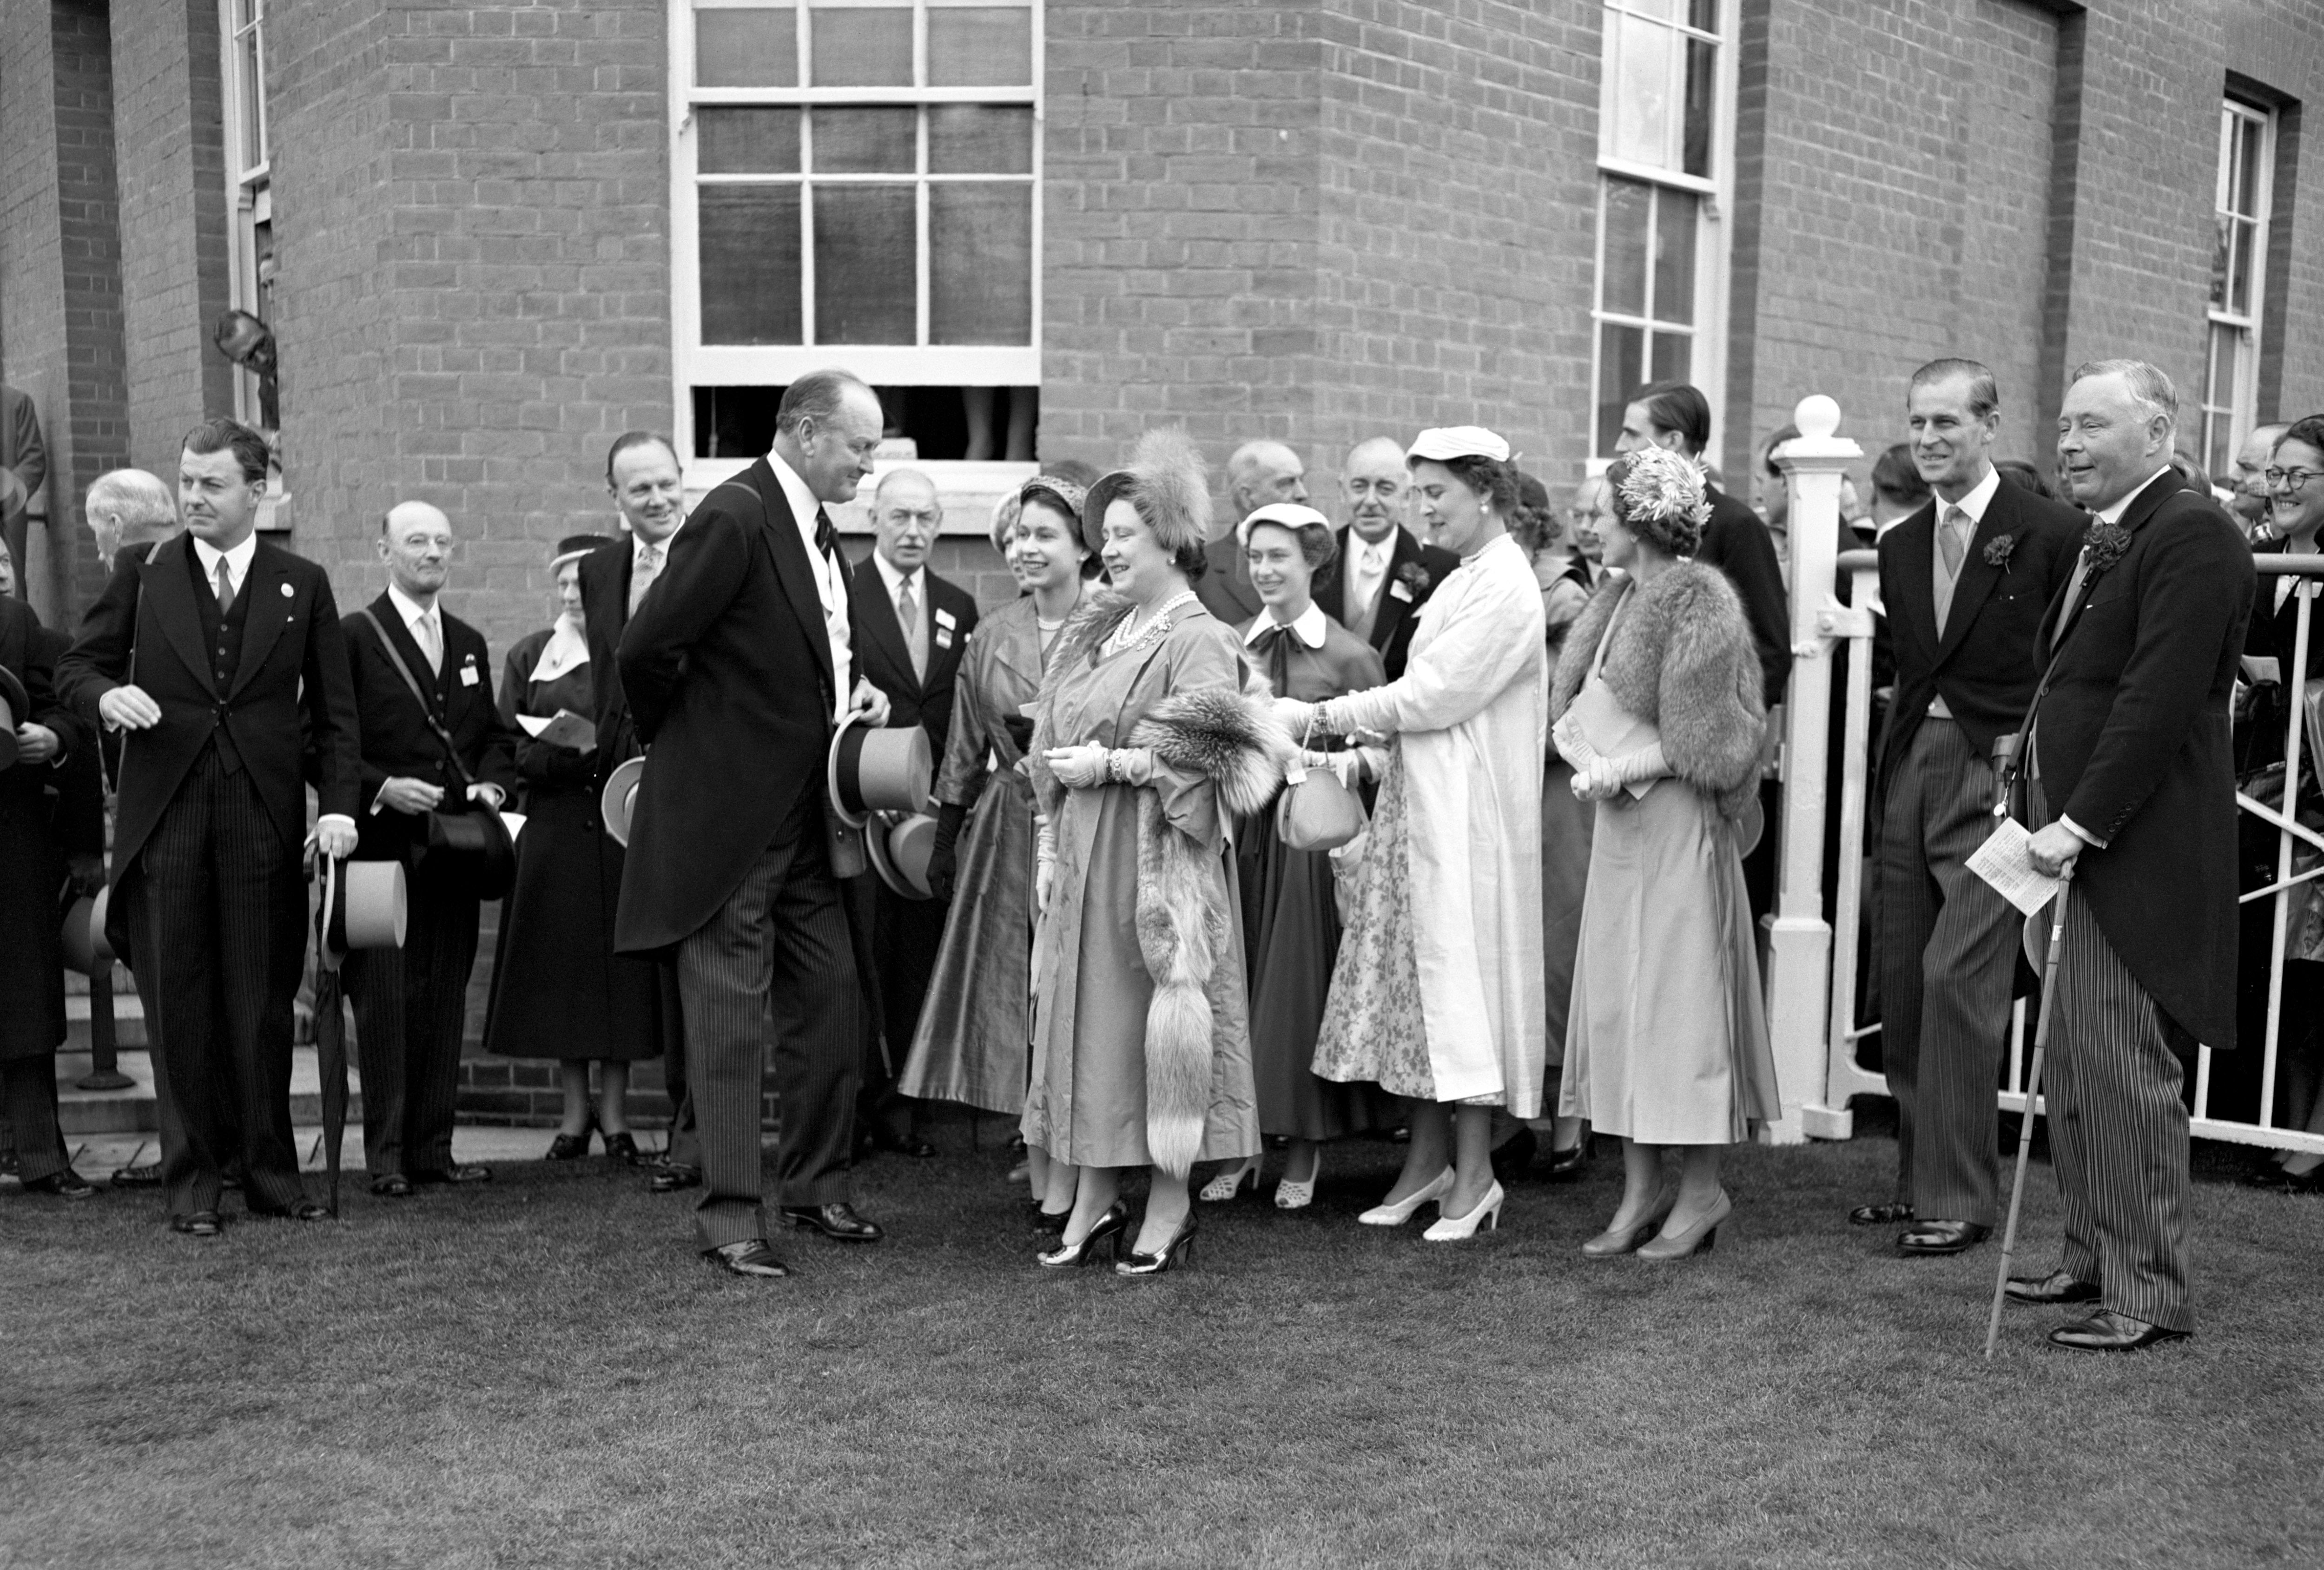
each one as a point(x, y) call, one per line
point(559, 989)
point(973, 1043)
point(32, 967)
point(1291, 939)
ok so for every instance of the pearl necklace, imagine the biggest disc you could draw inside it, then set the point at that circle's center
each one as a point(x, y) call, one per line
point(1130, 634)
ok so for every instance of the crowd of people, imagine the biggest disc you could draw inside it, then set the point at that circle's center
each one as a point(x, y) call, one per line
point(1446, 823)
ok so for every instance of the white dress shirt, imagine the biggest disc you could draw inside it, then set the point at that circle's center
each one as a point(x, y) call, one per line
point(830, 581)
point(1367, 570)
point(237, 561)
point(1972, 505)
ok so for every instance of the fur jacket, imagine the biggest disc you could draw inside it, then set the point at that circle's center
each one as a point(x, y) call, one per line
point(1232, 739)
point(1683, 659)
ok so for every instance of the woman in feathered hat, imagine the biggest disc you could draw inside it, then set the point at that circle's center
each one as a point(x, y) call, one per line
point(971, 1044)
point(1437, 993)
point(1657, 695)
point(1145, 745)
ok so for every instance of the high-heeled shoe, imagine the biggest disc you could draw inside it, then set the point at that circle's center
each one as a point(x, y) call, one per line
point(1109, 1225)
point(1299, 1196)
point(1052, 1222)
point(572, 1147)
point(1613, 1243)
point(1696, 1239)
point(1401, 1211)
point(621, 1147)
point(1229, 1182)
point(1180, 1248)
point(1458, 1229)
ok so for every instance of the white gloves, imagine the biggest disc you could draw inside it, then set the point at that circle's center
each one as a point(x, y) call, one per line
point(1605, 776)
point(1045, 861)
point(1081, 767)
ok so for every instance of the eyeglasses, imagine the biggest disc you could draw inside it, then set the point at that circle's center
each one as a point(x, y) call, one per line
point(2288, 479)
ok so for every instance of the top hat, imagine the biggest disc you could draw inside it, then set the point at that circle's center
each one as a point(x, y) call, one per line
point(901, 849)
point(620, 799)
point(877, 769)
point(86, 951)
point(15, 708)
point(364, 904)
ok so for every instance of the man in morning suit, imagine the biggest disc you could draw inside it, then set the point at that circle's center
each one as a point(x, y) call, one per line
point(1385, 574)
point(641, 474)
point(1258, 473)
point(1966, 578)
point(735, 668)
point(2131, 777)
point(221, 656)
point(909, 629)
point(411, 1004)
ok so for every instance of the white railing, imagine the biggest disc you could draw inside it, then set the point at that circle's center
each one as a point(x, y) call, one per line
point(1827, 1116)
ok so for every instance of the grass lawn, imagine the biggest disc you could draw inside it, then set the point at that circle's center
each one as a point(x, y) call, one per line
point(540, 1373)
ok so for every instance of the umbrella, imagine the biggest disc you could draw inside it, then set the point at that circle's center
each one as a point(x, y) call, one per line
point(2033, 1090)
point(330, 1030)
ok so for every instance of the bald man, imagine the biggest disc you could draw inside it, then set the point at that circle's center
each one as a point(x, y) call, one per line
point(1258, 473)
point(1384, 573)
point(433, 742)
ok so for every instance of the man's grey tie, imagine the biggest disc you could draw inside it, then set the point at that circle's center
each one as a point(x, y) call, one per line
point(225, 587)
point(431, 642)
point(915, 633)
point(1954, 541)
point(642, 575)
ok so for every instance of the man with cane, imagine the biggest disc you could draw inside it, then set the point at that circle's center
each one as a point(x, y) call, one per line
point(2130, 777)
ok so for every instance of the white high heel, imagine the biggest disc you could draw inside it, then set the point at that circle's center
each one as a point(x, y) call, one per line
point(1290, 1195)
point(1397, 1214)
point(1229, 1183)
point(1488, 1213)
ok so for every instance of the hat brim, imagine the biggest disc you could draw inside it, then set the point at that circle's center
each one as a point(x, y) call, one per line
point(1108, 490)
point(899, 847)
point(619, 799)
point(877, 769)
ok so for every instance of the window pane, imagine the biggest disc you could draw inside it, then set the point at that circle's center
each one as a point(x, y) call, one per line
point(2226, 343)
point(1673, 357)
point(2247, 150)
point(1702, 92)
point(2222, 242)
point(979, 139)
point(866, 141)
point(2239, 265)
point(1621, 353)
point(863, 48)
point(747, 141)
point(251, 87)
point(1639, 76)
point(750, 243)
point(865, 251)
point(1667, 10)
point(1622, 283)
point(1674, 215)
point(980, 46)
point(746, 49)
point(980, 264)
point(1704, 14)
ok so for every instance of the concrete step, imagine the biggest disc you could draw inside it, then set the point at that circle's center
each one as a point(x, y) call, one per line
point(81, 1112)
point(128, 1019)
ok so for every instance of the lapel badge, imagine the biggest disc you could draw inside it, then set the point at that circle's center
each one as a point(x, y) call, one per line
point(946, 619)
point(286, 591)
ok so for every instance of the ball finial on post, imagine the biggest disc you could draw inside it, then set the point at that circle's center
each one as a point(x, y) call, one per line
point(1817, 416)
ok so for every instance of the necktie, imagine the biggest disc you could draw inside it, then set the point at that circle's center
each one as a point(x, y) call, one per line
point(225, 587)
point(1953, 540)
point(1372, 565)
point(916, 635)
point(643, 574)
point(431, 640)
point(826, 538)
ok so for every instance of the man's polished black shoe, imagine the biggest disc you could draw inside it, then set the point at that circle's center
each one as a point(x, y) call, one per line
point(2057, 1286)
point(392, 1186)
point(65, 1184)
point(1879, 1215)
point(672, 1176)
point(149, 1175)
point(2108, 1331)
point(751, 1257)
point(199, 1223)
point(1941, 1237)
point(1513, 1157)
point(838, 1222)
point(299, 1210)
point(1565, 1165)
point(457, 1172)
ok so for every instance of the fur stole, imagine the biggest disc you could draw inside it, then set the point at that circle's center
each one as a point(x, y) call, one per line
point(1233, 740)
point(1683, 658)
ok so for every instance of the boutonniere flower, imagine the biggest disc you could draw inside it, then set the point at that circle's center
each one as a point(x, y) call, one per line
point(1413, 576)
point(2103, 545)
point(1999, 551)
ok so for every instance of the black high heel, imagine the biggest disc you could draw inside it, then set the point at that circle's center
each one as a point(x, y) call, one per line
point(572, 1147)
point(1065, 1255)
point(1179, 1250)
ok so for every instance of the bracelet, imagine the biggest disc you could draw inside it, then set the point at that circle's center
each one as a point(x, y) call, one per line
point(1116, 761)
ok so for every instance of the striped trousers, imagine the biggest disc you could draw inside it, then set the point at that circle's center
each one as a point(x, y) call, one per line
point(411, 1006)
point(780, 945)
point(2117, 1132)
point(216, 910)
point(1948, 955)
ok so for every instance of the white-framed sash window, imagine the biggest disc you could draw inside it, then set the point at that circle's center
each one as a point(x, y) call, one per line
point(2238, 276)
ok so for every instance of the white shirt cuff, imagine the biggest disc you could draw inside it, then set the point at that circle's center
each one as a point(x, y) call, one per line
point(341, 819)
point(2079, 832)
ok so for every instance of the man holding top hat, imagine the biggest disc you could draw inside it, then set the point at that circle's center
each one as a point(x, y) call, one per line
point(908, 628)
point(737, 669)
point(437, 757)
point(2131, 777)
point(221, 656)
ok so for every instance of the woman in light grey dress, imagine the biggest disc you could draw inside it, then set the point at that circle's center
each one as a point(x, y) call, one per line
point(1658, 711)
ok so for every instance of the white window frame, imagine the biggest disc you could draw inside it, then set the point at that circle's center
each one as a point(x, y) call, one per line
point(249, 188)
point(1713, 237)
point(2241, 406)
point(695, 363)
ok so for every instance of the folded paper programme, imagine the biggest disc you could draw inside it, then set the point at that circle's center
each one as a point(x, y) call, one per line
point(2002, 861)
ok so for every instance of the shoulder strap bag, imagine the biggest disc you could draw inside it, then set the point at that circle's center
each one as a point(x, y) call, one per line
point(472, 842)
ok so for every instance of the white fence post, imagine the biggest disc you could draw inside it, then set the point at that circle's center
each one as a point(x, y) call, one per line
point(1799, 942)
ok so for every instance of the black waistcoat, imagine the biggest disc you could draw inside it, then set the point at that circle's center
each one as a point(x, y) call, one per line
point(222, 636)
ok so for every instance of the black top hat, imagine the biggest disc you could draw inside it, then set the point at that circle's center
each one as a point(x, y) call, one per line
point(872, 769)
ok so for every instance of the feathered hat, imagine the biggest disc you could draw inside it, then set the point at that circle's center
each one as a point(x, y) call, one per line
point(1659, 494)
point(1168, 482)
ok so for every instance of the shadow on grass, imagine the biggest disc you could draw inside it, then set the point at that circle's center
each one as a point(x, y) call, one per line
point(540, 1372)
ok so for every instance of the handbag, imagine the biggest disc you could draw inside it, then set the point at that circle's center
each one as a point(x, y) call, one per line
point(1595, 724)
point(472, 844)
point(1315, 812)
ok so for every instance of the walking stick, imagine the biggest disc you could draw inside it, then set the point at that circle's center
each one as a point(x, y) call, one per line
point(2033, 1090)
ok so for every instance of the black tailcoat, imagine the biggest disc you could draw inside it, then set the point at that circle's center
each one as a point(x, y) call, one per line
point(1736, 543)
